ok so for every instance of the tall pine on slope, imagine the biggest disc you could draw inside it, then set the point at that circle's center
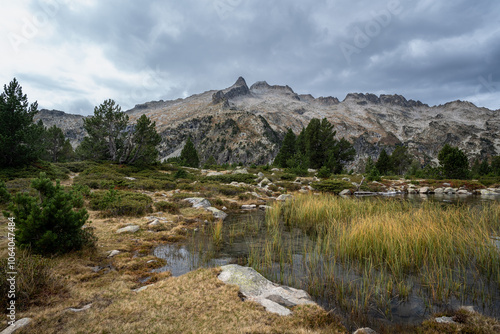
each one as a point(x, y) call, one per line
point(287, 150)
point(19, 136)
point(189, 155)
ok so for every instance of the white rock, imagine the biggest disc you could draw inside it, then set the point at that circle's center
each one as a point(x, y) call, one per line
point(218, 214)
point(240, 171)
point(275, 298)
point(449, 190)
point(365, 330)
point(154, 222)
point(224, 208)
point(438, 190)
point(275, 170)
point(264, 207)
point(142, 288)
point(260, 174)
point(198, 202)
point(214, 173)
point(114, 252)
point(310, 170)
point(17, 326)
point(284, 197)
point(445, 320)
point(345, 192)
point(463, 192)
point(303, 191)
point(130, 228)
point(424, 190)
point(248, 206)
point(84, 308)
point(130, 178)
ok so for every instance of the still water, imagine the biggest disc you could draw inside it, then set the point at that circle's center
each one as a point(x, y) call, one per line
point(245, 232)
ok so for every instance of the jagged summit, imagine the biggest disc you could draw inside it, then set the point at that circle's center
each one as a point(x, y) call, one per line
point(242, 124)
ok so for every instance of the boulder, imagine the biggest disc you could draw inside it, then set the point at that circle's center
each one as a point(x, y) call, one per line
point(128, 229)
point(310, 170)
point(17, 326)
point(449, 190)
point(424, 190)
point(438, 191)
point(303, 191)
point(275, 170)
point(240, 171)
point(445, 320)
point(214, 173)
point(260, 174)
point(487, 192)
point(264, 207)
point(113, 253)
point(274, 297)
point(76, 310)
point(365, 330)
point(284, 197)
point(248, 206)
point(130, 178)
point(463, 192)
point(199, 202)
point(218, 214)
point(345, 192)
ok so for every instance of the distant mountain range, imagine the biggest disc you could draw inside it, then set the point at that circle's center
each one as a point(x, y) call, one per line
point(242, 124)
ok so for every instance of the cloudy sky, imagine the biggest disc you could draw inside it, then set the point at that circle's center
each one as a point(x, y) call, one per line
point(72, 55)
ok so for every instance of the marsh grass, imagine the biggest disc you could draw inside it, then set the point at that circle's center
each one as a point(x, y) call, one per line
point(370, 255)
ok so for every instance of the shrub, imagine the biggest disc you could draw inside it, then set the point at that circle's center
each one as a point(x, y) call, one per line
point(181, 174)
point(288, 177)
point(34, 280)
point(374, 174)
point(4, 194)
point(324, 172)
point(289, 186)
point(228, 178)
point(121, 203)
point(100, 177)
point(332, 186)
point(77, 166)
point(169, 207)
point(488, 181)
point(52, 171)
point(47, 222)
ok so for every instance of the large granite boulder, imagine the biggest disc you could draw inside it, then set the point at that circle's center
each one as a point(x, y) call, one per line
point(218, 214)
point(199, 202)
point(274, 297)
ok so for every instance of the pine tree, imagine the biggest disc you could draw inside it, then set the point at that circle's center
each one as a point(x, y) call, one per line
point(287, 150)
point(495, 165)
point(400, 160)
point(453, 162)
point(383, 163)
point(19, 136)
point(57, 147)
point(189, 155)
point(141, 142)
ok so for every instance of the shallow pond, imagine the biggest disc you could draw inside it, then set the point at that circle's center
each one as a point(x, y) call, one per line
point(244, 234)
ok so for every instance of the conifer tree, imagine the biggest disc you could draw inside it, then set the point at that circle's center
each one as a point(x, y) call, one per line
point(189, 155)
point(287, 150)
point(383, 163)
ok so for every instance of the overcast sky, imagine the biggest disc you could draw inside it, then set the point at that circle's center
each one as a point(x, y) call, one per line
point(72, 55)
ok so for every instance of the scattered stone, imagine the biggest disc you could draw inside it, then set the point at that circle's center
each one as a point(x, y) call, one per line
point(76, 310)
point(468, 308)
point(214, 173)
point(275, 170)
point(345, 192)
point(264, 207)
point(218, 214)
point(260, 174)
point(265, 180)
point(254, 194)
point(446, 184)
point(142, 288)
point(424, 190)
point(310, 170)
point(240, 171)
point(445, 320)
point(449, 190)
point(114, 252)
point(346, 179)
point(155, 222)
point(303, 191)
point(438, 190)
point(487, 192)
point(366, 330)
point(130, 228)
point(274, 297)
point(463, 192)
point(130, 178)
point(17, 326)
point(199, 202)
point(248, 206)
point(284, 197)
point(224, 208)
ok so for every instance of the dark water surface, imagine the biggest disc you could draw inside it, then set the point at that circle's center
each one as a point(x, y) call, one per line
point(244, 231)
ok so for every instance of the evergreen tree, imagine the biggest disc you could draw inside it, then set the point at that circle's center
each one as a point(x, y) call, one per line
point(287, 150)
point(300, 142)
point(453, 162)
point(400, 160)
point(495, 165)
point(57, 147)
point(340, 154)
point(383, 163)
point(111, 138)
point(484, 168)
point(189, 155)
point(19, 136)
point(369, 164)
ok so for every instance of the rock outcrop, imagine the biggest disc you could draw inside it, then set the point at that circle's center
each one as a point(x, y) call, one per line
point(253, 286)
point(242, 124)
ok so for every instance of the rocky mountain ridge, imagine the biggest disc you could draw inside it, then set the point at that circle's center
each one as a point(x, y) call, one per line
point(246, 124)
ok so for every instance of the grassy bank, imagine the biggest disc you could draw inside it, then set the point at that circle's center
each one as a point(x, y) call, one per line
point(369, 256)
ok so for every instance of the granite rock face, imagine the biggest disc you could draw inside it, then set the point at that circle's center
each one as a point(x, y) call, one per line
point(274, 297)
point(242, 124)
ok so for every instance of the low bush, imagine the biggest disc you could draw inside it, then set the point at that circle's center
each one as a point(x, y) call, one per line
point(489, 180)
point(332, 186)
point(170, 207)
point(121, 203)
point(46, 222)
point(288, 177)
point(77, 166)
point(52, 171)
point(34, 280)
point(290, 186)
point(4, 193)
point(228, 178)
point(324, 172)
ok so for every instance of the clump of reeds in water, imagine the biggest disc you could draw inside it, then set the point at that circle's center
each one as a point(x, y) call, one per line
point(371, 253)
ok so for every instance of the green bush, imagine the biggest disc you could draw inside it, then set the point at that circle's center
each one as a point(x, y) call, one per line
point(289, 186)
point(4, 194)
point(288, 177)
point(324, 172)
point(228, 178)
point(34, 280)
point(170, 207)
point(121, 203)
point(181, 174)
point(332, 186)
point(100, 177)
point(77, 166)
point(52, 171)
point(47, 222)
point(489, 180)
